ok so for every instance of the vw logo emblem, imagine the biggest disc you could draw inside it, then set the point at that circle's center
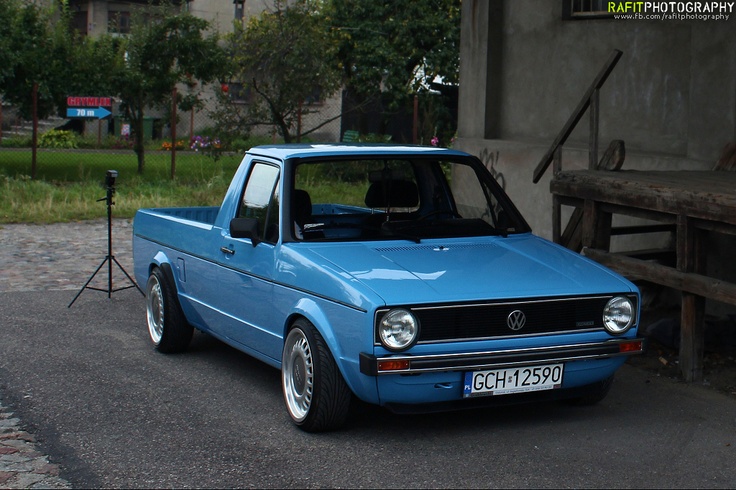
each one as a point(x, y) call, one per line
point(516, 320)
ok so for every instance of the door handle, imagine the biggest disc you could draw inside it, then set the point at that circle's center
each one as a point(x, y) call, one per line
point(228, 251)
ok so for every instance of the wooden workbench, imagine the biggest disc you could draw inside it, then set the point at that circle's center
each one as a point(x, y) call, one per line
point(693, 203)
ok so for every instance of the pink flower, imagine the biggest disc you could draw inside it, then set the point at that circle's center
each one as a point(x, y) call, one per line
point(435, 141)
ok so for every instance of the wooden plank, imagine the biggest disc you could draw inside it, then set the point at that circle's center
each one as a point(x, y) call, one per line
point(595, 107)
point(662, 191)
point(556, 207)
point(691, 258)
point(612, 160)
point(692, 343)
point(697, 202)
point(572, 237)
point(596, 226)
point(557, 161)
point(708, 287)
point(556, 219)
point(636, 229)
point(638, 213)
point(664, 256)
point(727, 161)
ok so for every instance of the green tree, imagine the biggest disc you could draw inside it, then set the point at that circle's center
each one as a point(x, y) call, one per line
point(395, 49)
point(8, 12)
point(283, 58)
point(36, 52)
point(91, 60)
point(163, 49)
point(396, 46)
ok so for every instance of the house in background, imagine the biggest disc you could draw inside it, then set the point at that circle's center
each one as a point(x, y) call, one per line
point(525, 65)
point(96, 17)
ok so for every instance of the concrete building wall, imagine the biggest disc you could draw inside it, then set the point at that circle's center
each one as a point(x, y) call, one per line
point(671, 98)
point(221, 13)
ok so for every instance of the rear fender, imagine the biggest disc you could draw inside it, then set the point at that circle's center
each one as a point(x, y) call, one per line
point(161, 261)
point(171, 273)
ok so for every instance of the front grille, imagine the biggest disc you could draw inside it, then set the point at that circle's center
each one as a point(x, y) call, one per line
point(488, 320)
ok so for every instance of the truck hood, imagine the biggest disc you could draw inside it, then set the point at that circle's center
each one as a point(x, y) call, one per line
point(445, 271)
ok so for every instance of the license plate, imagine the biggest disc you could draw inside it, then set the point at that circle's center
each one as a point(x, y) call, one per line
point(513, 380)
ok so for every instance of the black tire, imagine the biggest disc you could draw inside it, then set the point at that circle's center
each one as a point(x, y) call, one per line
point(168, 328)
point(596, 392)
point(316, 395)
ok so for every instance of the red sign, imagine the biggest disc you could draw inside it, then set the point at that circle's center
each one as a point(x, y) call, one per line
point(89, 101)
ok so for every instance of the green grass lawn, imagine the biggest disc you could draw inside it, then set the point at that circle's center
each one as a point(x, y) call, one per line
point(68, 184)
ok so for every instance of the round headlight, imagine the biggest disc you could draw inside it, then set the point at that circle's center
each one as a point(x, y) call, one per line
point(398, 329)
point(618, 315)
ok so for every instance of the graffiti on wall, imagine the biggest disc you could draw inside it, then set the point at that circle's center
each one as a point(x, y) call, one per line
point(490, 159)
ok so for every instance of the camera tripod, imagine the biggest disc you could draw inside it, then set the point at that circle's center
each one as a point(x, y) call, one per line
point(110, 258)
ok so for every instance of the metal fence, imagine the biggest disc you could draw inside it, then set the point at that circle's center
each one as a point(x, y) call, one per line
point(168, 134)
point(174, 137)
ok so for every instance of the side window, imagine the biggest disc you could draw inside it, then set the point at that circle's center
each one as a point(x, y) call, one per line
point(261, 200)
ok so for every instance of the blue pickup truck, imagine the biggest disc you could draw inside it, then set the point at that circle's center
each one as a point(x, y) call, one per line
point(400, 275)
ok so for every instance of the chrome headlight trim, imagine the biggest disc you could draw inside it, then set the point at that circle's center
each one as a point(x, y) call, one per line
point(398, 329)
point(619, 315)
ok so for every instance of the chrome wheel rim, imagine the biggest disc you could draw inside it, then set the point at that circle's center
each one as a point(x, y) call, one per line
point(298, 374)
point(155, 309)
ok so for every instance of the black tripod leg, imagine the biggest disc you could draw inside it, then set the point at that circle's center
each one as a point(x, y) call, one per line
point(128, 275)
point(89, 280)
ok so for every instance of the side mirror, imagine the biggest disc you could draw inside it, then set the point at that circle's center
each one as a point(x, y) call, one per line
point(245, 228)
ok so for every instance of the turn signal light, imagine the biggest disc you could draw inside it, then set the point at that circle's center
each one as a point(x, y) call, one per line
point(388, 365)
point(634, 346)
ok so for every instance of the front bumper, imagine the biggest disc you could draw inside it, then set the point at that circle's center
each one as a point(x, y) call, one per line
point(371, 365)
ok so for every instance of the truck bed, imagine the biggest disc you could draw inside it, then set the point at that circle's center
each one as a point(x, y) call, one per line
point(204, 215)
point(171, 228)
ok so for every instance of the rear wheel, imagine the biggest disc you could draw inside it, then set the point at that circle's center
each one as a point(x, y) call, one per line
point(316, 395)
point(167, 326)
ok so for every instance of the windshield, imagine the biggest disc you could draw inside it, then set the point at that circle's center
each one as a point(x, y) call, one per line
point(401, 198)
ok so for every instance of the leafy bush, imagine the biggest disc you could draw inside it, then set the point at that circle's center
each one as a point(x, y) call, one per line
point(59, 139)
point(16, 142)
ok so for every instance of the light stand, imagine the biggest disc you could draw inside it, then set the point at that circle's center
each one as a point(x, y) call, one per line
point(110, 258)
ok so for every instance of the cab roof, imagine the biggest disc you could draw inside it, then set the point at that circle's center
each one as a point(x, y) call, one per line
point(300, 150)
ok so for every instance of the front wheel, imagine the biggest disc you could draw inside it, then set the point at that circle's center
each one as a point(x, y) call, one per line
point(316, 395)
point(167, 326)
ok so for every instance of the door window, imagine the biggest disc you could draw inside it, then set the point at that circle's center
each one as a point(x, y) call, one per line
point(261, 200)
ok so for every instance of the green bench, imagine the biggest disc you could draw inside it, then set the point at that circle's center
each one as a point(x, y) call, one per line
point(351, 136)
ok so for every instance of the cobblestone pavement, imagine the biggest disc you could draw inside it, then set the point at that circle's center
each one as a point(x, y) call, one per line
point(52, 257)
point(21, 464)
point(63, 255)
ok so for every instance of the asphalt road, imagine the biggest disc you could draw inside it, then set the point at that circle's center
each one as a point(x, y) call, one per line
point(113, 412)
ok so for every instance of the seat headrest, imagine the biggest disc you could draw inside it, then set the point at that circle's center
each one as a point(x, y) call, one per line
point(392, 193)
point(302, 206)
